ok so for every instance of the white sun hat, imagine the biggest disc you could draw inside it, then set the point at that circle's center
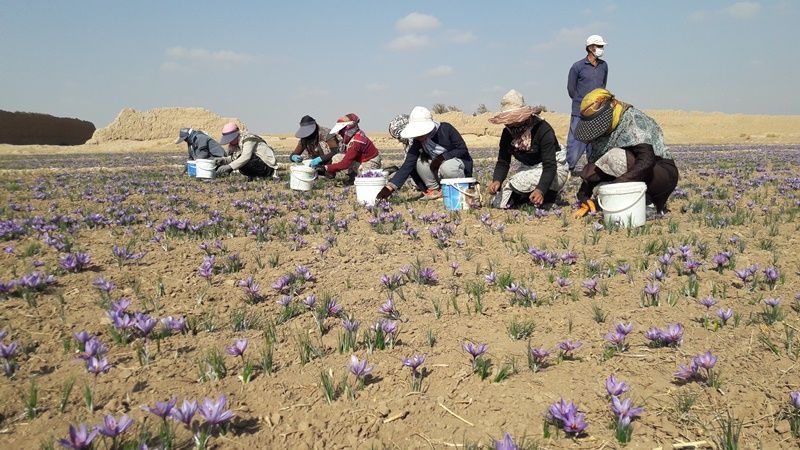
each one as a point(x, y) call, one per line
point(595, 39)
point(420, 123)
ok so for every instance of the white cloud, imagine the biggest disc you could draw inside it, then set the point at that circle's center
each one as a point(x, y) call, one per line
point(416, 22)
point(440, 71)
point(376, 87)
point(743, 10)
point(460, 37)
point(573, 37)
point(204, 55)
point(409, 42)
point(698, 16)
point(171, 66)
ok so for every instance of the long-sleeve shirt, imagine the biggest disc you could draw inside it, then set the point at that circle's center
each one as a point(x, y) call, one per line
point(201, 146)
point(445, 136)
point(251, 145)
point(583, 78)
point(543, 149)
point(320, 148)
point(359, 149)
point(641, 160)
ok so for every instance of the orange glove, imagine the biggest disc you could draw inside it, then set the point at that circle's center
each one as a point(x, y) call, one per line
point(586, 207)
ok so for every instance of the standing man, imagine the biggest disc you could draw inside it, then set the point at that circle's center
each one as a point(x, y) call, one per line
point(584, 76)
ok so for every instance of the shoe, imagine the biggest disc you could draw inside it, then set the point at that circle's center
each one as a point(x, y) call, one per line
point(432, 194)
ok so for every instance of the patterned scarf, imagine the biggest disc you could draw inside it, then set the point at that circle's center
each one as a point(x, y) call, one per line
point(515, 115)
point(521, 134)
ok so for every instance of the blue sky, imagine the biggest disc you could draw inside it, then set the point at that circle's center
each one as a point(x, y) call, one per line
point(269, 63)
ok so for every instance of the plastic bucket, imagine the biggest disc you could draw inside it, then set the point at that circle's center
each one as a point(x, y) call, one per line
point(623, 204)
point(205, 168)
point(191, 168)
point(460, 193)
point(367, 189)
point(301, 177)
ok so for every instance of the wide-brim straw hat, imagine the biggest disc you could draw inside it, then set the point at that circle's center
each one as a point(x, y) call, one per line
point(420, 123)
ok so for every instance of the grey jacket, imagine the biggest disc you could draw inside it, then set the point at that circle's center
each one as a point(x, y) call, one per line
point(201, 146)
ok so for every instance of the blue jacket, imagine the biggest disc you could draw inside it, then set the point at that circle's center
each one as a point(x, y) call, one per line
point(446, 136)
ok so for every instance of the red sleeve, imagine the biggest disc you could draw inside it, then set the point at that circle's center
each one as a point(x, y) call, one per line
point(350, 156)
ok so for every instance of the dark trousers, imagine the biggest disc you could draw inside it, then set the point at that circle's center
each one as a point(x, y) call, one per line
point(256, 168)
point(661, 181)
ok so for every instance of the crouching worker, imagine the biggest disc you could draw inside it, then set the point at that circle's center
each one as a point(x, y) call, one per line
point(531, 141)
point(627, 145)
point(249, 154)
point(438, 151)
point(359, 153)
point(200, 145)
point(315, 140)
point(396, 126)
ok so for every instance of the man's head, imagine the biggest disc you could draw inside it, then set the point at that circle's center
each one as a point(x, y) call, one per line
point(595, 45)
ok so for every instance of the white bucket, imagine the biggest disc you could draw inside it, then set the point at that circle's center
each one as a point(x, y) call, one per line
point(191, 168)
point(301, 177)
point(367, 188)
point(623, 204)
point(205, 168)
point(460, 193)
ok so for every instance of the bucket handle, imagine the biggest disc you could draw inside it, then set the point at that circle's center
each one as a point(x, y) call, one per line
point(644, 191)
point(465, 193)
point(303, 179)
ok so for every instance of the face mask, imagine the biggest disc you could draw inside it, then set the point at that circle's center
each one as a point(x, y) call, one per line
point(598, 52)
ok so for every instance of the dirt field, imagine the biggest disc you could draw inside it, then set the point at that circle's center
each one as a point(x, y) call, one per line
point(740, 199)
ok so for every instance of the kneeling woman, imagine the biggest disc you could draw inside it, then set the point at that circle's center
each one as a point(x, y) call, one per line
point(359, 153)
point(532, 141)
point(627, 145)
point(249, 154)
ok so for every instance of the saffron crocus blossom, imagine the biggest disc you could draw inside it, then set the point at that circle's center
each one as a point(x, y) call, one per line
point(625, 408)
point(538, 355)
point(705, 360)
point(567, 347)
point(427, 276)
point(567, 416)
point(206, 269)
point(310, 301)
point(120, 305)
point(616, 387)
point(96, 366)
point(623, 269)
point(350, 324)
point(708, 302)
point(145, 324)
point(333, 308)
point(388, 310)
point(359, 367)
point(112, 427)
point(79, 438)
point(794, 397)
point(414, 362)
point(161, 409)
point(623, 328)
point(104, 285)
point(771, 275)
point(590, 285)
point(284, 301)
point(185, 413)
point(724, 315)
point(475, 350)
point(772, 302)
point(215, 413)
point(81, 337)
point(3, 335)
point(616, 340)
point(238, 348)
point(659, 274)
point(93, 348)
point(563, 282)
point(174, 324)
point(652, 289)
point(506, 444)
point(686, 373)
point(575, 424)
point(721, 260)
point(491, 278)
point(251, 289)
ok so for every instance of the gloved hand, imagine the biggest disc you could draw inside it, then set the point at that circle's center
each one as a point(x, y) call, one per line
point(219, 161)
point(316, 161)
point(384, 193)
point(586, 207)
point(224, 170)
point(296, 158)
point(435, 164)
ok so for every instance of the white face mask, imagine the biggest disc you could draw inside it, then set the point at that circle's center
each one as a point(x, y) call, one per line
point(598, 52)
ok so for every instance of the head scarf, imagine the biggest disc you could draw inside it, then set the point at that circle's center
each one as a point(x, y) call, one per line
point(595, 100)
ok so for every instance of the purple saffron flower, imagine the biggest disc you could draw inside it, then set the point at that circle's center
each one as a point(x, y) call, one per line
point(652, 290)
point(665, 259)
point(795, 399)
point(173, 324)
point(491, 278)
point(721, 260)
point(708, 302)
point(672, 334)
point(772, 302)
point(659, 275)
point(624, 329)
point(120, 320)
point(427, 275)
point(569, 346)
point(8, 351)
point(616, 339)
point(97, 366)
point(79, 438)
point(206, 269)
point(590, 285)
point(82, 337)
point(654, 334)
point(310, 301)
point(475, 350)
point(575, 424)
point(771, 274)
point(238, 348)
point(623, 268)
point(185, 413)
point(284, 301)
point(93, 348)
point(561, 410)
point(3, 335)
point(743, 274)
point(686, 373)
point(705, 360)
point(625, 408)
point(104, 285)
point(121, 305)
point(112, 427)
point(414, 362)
point(388, 327)
point(333, 308)
point(281, 283)
point(214, 413)
point(145, 324)
point(506, 444)
point(539, 354)
point(388, 309)
point(161, 409)
point(563, 282)
point(358, 367)
point(724, 315)
point(615, 387)
point(350, 324)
